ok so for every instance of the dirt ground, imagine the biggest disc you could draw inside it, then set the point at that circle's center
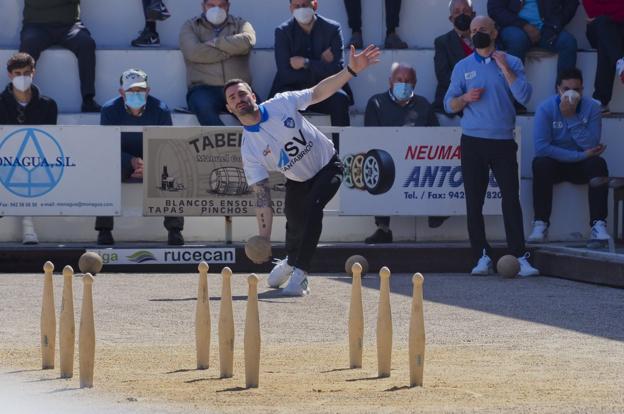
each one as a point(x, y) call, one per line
point(493, 345)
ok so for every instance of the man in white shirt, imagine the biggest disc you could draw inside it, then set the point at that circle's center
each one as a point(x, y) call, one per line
point(278, 138)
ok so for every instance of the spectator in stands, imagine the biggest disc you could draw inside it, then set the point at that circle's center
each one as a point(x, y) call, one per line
point(536, 23)
point(567, 148)
point(452, 47)
point(482, 86)
point(605, 32)
point(135, 107)
point(22, 104)
point(57, 22)
point(397, 107)
point(153, 10)
point(354, 13)
point(216, 47)
point(308, 48)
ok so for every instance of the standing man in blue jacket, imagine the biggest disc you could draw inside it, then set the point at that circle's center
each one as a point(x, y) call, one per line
point(483, 86)
point(567, 148)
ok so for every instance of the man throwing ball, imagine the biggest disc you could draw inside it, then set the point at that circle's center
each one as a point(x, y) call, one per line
point(277, 137)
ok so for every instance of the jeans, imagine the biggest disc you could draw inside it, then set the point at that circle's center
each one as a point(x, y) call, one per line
point(478, 157)
point(354, 14)
point(206, 102)
point(548, 172)
point(516, 42)
point(608, 37)
point(304, 205)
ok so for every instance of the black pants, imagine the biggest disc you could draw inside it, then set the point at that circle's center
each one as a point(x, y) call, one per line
point(354, 13)
point(304, 212)
point(608, 37)
point(337, 107)
point(478, 157)
point(170, 223)
point(548, 172)
point(382, 221)
point(37, 37)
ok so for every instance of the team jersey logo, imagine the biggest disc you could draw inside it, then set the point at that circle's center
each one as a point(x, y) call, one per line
point(266, 151)
point(283, 161)
point(289, 123)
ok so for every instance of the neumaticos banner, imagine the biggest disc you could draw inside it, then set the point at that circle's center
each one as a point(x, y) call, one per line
point(224, 255)
point(53, 170)
point(407, 171)
point(199, 172)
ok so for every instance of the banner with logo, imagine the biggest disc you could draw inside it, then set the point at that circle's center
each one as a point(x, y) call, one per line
point(210, 255)
point(60, 170)
point(199, 172)
point(410, 171)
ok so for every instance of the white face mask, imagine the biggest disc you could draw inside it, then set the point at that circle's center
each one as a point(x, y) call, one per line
point(572, 96)
point(22, 83)
point(216, 15)
point(304, 15)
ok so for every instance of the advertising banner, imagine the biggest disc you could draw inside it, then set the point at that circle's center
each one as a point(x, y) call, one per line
point(210, 255)
point(199, 172)
point(60, 170)
point(410, 171)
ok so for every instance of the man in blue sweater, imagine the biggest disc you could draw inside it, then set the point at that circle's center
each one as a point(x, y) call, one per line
point(483, 86)
point(135, 107)
point(567, 148)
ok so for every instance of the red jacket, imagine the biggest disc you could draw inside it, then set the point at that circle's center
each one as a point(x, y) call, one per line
point(611, 8)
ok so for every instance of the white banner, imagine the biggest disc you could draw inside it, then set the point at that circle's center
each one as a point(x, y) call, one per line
point(410, 171)
point(54, 170)
point(224, 255)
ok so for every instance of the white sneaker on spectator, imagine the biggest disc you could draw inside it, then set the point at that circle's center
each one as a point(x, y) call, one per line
point(280, 273)
point(539, 233)
point(599, 231)
point(28, 231)
point(298, 284)
point(619, 68)
point(526, 270)
point(484, 266)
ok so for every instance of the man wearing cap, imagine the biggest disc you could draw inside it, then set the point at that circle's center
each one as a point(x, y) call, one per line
point(135, 107)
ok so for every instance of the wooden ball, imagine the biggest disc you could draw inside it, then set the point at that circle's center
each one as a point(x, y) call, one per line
point(356, 258)
point(258, 249)
point(90, 262)
point(508, 266)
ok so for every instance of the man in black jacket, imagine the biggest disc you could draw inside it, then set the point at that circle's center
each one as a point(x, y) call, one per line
point(536, 23)
point(21, 104)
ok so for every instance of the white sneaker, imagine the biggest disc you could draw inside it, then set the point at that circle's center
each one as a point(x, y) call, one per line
point(539, 233)
point(526, 270)
point(619, 68)
point(599, 231)
point(484, 266)
point(280, 273)
point(298, 284)
point(28, 231)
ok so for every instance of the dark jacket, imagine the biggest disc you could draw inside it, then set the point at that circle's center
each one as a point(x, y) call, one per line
point(555, 14)
point(291, 40)
point(448, 51)
point(41, 110)
point(51, 11)
point(383, 111)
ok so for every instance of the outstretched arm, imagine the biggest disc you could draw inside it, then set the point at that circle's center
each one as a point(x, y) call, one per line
point(264, 211)
point(357, 62)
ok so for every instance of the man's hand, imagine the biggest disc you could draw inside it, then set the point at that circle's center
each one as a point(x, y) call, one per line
point(596, 151)
point(297, 62)
point(533, 33)
point(327, 56)
point(567, 107)
point(501, 60)
point(360, 61)
point(137, 166)
point(473, 95)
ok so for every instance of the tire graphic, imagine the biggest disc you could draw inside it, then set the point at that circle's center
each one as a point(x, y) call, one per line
point(357, 172)
point(378, 171)
point(346, 174)
point(228, 181)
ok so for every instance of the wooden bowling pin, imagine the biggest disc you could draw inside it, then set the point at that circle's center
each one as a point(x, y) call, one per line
point(417, 334)
point(67, 328)
point(86, 340)
point(226, 326)
point(384, 325)
point(202, 319)
point(48, 319)
point(356, 318)
point(252, 335)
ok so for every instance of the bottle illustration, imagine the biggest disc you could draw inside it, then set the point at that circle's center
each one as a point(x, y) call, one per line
point(163, 179)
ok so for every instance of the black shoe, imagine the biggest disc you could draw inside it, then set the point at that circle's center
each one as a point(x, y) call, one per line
point(393, 41)
point(146, 38)
point(175, 238)
point(436, 221)
point(89, 105)
point(105, 237)
point(379, 236)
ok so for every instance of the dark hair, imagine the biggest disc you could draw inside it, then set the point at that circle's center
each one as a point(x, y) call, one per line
point(19, 61)
point(233, 82)
point(572, 73)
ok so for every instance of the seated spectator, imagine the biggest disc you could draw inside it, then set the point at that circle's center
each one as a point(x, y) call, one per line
point(308, 48)
point(397, 107)
point(605, 32)
point(57, 22)
point(22, 104)
point(153, 10)
point(567, 148)
point(536, 23)
point(452, 47)
point(135, 107)
point(354, 14)
point(216, 47)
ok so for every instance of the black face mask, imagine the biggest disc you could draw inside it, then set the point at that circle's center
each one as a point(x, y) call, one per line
point(462, 22)
point(481, 40)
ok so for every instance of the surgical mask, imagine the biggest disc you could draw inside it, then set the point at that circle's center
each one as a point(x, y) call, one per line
point(402, 91)
point(481, 40)
point(462, 22)
point(304, 15)
point(136, 100)
point(216, 15)
point(571, 95)
point(22, 83)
